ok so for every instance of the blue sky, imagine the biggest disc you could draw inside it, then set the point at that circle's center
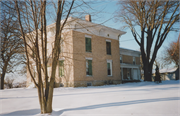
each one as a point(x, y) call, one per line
point(105, 17)
point(127, 40)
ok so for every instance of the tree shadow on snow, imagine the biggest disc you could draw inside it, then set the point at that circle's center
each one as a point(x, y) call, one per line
point(23, 113)
point(84, 93)
point(116, 104)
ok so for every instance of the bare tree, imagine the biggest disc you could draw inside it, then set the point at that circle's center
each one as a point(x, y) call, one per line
point(172, 53)
point(11, 50)
point(32, 18)
point(150, 22)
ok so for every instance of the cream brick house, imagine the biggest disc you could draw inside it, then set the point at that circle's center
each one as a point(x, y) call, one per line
point(89, 54)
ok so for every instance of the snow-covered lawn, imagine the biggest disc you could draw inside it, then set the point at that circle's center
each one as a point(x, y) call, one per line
point(130, 99)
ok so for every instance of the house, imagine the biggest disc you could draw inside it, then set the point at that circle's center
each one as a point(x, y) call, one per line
point(168, 74)
point(89, 54)
point(130, 65)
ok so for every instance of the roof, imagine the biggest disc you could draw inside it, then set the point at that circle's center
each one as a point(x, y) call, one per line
point(129, 52)
point(167, 70)
point(129, 49)
point(171, 70)
point(90, 28)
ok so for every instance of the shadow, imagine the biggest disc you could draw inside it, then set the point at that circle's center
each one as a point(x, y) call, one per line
point(152, 89)
point(19, 97)
point(85, 93)
point(127, 87)
point(116, 104)
point(23, 113)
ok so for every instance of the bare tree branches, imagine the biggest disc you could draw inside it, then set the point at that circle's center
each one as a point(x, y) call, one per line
point(12, 49)
point(155, 20)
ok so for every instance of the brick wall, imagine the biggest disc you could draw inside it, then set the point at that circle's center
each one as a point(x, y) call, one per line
point(129, 59)
point(99, 60)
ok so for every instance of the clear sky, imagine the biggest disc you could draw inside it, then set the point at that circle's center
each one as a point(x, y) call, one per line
point(104, 14)
point(127, 40)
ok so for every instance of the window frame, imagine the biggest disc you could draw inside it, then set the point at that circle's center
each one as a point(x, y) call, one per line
point(134, 60)
point(61, 75)
point(61, 47)
point(108, 50)
point(110, 62)
point(88, 37)
point(87, 61)
point(121, 59)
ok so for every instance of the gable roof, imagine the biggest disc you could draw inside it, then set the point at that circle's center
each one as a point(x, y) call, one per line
point(84, 26)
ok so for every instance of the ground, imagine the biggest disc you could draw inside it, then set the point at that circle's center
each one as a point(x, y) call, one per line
point(130, 99)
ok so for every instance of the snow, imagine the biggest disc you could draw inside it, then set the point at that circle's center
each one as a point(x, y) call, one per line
point(31, 86)
point(130, 99)
point(18, 78)
point(168, 70)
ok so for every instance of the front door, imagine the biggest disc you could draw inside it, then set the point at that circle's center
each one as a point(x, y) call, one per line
point(135, 74)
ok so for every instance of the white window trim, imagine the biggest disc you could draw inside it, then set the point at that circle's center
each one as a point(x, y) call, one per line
point(62, 58)
point(110, 61)
point(87, 58)
point(108, 40)
point(88, 36)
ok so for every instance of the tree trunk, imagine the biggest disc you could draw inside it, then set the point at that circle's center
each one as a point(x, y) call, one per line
point(2, 80)
point(147, 72)
point(45, 105)
point(3, 75)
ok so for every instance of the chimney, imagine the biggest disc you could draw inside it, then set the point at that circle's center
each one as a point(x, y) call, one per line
point(88, 17)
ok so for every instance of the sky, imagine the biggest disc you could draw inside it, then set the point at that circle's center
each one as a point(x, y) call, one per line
point(103, 13)
point(127, 40)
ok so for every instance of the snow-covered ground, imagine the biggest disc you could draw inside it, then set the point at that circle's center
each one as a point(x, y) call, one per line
point(130, 99)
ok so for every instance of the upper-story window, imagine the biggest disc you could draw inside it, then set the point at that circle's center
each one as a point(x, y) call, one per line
point(108, 47)
point(61, 46)
point(134, 60)
point(88, 44)
point(121, 61)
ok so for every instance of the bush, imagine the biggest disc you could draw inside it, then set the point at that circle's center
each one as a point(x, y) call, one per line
point(8, 82)
point(19, 85)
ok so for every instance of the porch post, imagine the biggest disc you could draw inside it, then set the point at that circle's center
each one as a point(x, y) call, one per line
point(122, 73)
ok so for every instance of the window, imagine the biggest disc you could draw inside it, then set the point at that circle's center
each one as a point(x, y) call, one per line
point(88, 67)
point(108, 47)
point(121, 59)
point(109, 67)
point(49, 63)
point(61, 68)
point(61, 46)
point(134, 60)
point(88, 44)
point(34, 71)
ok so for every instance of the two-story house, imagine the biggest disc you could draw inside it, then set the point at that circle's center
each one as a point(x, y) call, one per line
point(130, 65)
point(89, 54)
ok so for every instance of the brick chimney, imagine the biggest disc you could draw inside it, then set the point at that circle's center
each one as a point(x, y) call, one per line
point(88, 17)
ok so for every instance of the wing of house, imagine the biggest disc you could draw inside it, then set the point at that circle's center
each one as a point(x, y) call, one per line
point(130, 65)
